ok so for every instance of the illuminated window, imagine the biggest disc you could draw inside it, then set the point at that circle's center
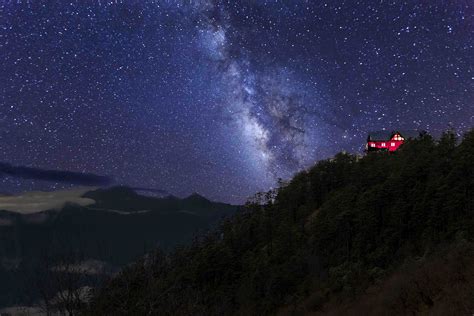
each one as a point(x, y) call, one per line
point(397, 137)
point(392, 144)
point(372, 145)
point(383, 144)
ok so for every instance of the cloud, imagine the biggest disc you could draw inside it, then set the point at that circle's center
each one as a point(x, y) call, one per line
point(63, 176)
point(34, 202)
point(87, 267)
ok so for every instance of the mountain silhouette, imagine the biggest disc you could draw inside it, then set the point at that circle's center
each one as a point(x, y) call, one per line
point(119, 227)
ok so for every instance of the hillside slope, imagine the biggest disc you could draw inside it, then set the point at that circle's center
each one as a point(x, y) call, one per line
point(333, 240)
point(117, 229)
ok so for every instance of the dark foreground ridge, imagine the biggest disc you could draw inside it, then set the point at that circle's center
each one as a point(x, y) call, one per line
point(382, 234)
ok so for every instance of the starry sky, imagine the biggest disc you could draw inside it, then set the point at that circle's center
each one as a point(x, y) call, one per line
point(222, 97)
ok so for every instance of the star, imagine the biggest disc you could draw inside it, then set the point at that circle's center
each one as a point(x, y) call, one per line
point(222, 97)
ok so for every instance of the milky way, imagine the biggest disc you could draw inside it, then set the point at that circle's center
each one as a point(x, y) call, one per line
point(222, 97)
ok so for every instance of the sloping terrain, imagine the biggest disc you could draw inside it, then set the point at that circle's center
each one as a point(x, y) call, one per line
point(439, 284)
point(118, 228)
point(349, 233)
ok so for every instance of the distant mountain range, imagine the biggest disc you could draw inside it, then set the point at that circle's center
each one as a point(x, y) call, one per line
point(118, 227)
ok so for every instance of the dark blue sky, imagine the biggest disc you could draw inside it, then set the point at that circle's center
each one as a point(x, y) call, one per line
point(222, 97)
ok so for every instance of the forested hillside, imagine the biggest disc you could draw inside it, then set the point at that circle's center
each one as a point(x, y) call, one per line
point(383, 233)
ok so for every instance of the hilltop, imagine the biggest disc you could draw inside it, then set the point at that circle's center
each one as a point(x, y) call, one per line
point(383, 233)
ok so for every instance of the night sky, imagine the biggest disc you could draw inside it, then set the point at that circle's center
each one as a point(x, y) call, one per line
point(222, 97)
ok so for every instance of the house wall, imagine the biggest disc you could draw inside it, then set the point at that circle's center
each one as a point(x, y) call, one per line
point(390, 145)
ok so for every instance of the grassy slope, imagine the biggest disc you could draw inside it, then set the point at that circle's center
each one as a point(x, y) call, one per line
point(320, 242)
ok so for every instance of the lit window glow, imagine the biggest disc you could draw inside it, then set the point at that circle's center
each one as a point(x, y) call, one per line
point(397, 137)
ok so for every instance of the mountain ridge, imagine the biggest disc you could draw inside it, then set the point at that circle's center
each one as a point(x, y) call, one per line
point(119, 227)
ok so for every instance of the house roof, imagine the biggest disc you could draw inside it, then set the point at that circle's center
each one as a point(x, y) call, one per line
point(386, 135)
